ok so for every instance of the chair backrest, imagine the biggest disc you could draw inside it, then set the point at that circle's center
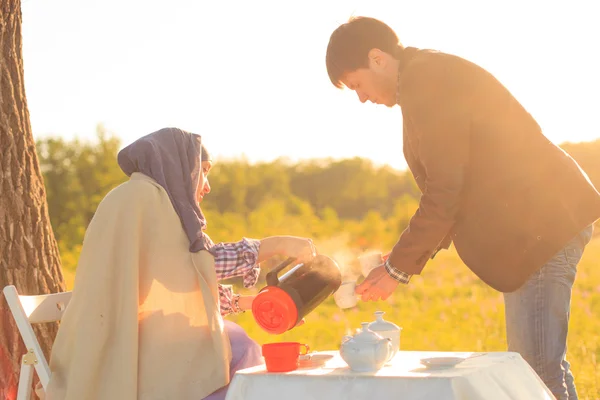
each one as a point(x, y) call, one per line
point(27, 310)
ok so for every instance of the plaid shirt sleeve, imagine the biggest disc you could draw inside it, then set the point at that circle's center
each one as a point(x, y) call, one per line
point(235, 259)
point(225, 299)
point(400, 276)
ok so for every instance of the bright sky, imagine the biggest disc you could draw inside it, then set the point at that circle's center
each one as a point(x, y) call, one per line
point(250, 76)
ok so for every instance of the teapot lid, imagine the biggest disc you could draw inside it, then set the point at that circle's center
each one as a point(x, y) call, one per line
point(382, 325)
point(366, 335)
point(274, 310)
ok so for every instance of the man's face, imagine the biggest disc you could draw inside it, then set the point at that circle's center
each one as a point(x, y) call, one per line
point(203, 185)
point(377, 83)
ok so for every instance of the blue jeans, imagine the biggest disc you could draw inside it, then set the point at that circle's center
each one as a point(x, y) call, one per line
point(537, 317)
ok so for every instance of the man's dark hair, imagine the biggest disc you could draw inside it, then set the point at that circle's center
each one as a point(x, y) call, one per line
point(350, 43)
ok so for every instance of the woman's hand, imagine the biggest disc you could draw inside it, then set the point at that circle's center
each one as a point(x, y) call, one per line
point(245, 302)
point(300, 248)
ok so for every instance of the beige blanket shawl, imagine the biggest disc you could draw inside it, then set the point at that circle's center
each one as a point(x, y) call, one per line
point(144, 321)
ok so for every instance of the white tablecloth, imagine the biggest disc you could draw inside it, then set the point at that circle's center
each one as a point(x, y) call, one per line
point(491, 376)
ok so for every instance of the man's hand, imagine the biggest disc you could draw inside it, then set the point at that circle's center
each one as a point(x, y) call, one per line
point(379, 285)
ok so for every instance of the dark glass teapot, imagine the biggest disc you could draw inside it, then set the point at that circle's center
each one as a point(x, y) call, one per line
point(285, 300)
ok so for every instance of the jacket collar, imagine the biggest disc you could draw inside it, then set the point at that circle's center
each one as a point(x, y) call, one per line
point(404, 58)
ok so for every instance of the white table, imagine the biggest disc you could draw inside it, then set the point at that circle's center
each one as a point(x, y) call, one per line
point(490, 376)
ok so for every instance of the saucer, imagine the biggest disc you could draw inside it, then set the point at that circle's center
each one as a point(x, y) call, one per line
point(442, 361)
point(313, 360)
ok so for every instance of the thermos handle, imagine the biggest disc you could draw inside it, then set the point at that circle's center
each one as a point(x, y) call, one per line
point(272, 278)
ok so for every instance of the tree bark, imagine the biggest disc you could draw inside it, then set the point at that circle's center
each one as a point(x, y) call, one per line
point(29, 257)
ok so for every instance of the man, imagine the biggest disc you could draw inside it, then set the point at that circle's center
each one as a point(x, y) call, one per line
point(518, 208)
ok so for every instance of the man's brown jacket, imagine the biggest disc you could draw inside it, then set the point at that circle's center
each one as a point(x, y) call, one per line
point(491, 182)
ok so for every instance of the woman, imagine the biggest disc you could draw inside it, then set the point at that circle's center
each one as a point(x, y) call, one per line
point(145, 318)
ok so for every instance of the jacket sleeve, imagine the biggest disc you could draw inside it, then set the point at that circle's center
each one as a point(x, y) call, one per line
point(440, 117)
point(419, 177)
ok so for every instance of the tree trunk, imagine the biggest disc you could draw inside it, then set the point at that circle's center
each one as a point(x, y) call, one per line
point(29, 256)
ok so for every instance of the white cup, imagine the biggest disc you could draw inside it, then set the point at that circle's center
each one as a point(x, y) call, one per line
point(345, 296)
point(369, 261)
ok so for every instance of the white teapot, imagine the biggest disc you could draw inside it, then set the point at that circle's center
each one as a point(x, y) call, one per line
point(366, 351)
point(387, 329)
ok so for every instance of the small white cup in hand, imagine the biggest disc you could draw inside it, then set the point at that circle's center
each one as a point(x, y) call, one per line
point(369, 261)
point(345, 296)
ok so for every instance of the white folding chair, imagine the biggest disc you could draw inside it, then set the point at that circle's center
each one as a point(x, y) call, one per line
point(27, 310)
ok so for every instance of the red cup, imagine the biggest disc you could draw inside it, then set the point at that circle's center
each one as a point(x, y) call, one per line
point(283, 357)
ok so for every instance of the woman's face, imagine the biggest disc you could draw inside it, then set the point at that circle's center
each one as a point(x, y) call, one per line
point(203, 185)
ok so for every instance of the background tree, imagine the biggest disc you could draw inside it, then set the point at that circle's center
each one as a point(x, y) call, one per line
point(29, 257)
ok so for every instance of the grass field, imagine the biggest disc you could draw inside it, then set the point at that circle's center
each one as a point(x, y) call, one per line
point(449, 309)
